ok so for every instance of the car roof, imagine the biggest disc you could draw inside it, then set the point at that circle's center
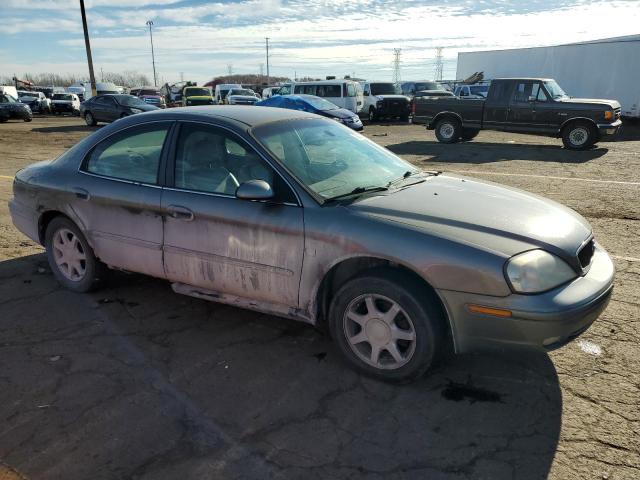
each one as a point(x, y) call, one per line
point(250, 115)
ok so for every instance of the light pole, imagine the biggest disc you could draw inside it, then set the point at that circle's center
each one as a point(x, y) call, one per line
point(153, 58)
point(92, 78)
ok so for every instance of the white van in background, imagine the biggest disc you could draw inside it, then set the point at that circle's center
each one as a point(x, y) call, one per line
point(9, 90)
point(102, 88)
point(343, 93)
point(222, 90)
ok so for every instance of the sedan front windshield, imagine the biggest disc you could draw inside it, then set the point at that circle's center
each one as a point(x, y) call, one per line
point(62, 96)
point(320, 103)
point(330, 159)
point(554, 89)
point(243, 91)
point(385, 89)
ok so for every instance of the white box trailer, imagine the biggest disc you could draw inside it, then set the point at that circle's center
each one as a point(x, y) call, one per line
point(608, 69)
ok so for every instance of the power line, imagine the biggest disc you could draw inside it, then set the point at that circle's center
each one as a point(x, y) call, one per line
point(396, 65)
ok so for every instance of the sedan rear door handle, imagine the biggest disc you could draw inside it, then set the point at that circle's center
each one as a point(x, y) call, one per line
point(181, 213)
point(81, 193)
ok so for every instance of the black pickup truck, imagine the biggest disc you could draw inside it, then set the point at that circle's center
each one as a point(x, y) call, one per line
point(535, 106)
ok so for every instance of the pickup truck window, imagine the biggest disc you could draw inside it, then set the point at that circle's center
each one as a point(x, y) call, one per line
point(385, 89)
point(538, 93)
point(554, 89)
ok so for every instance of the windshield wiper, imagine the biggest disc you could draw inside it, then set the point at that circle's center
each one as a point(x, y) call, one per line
point(405, 175)
point(357, 191)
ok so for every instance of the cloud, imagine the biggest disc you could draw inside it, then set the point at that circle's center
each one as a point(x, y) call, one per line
point(318, 38)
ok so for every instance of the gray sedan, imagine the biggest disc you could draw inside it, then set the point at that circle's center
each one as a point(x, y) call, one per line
point(292, 214)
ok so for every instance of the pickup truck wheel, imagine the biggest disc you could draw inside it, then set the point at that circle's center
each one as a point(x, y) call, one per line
point(88, 118)
point(469, 133)
point(448, 130)
point(384, 327)
point(373, 115)
point(579, 136)
point(404, 118)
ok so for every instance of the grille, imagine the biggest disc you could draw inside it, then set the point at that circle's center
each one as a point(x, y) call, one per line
point(395, 106)
point(586, 254)
point(616, 113)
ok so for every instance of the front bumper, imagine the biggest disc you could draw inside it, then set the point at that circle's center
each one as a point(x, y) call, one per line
point(609, 129)
point(62, 107)
point(541, 322)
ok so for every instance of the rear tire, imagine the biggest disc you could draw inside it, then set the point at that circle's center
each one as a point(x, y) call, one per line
point(469, 133)
point(404, 118)
point(385, 327)
point(89, 119)
point(70, 257)
point(579, 135)
point(448, 130)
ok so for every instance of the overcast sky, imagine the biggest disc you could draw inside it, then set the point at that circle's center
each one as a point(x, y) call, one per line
point(312, 38)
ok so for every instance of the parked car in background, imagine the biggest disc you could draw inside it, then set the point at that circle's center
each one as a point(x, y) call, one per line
point(312, 221)
point(472, 91)
point(268, 92)
point(241, 96)
point(37, 101)
point(109, 108)
point(537, 106)
point(385, 100)
point(411, 88)
point(317, 105)
point(65, 103)
point(151, 95)
point(222, 90)
point(79, 90)
point(10, 108)
point(192, 96)
point(343, 93)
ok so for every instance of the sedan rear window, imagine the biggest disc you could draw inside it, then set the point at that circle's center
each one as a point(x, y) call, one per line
point(132, 155)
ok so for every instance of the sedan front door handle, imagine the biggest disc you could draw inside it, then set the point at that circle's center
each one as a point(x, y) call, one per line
point(81, 193)
point(181, 213)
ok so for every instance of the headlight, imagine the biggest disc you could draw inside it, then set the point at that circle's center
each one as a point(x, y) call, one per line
point(136, 110)
point(537, 271)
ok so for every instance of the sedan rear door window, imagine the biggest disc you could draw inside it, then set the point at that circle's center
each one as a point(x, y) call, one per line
point(133, 154)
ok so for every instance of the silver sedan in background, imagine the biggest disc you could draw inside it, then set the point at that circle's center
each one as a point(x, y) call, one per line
point(292, 214)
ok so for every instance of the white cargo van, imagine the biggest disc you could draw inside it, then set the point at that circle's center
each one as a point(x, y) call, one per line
point(343, 93)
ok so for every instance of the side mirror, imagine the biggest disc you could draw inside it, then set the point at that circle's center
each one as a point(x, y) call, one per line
point(254, 190)
point(366, 94)
point(532, 98)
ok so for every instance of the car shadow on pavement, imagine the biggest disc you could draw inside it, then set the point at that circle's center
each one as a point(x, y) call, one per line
point(478, 152)
point(66, 129)
point(134, 381)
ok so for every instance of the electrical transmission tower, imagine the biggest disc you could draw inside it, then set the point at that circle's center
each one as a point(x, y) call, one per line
point(396, 65)
point(438, 64)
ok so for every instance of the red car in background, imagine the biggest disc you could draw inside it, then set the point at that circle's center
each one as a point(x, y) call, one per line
point(150, 95)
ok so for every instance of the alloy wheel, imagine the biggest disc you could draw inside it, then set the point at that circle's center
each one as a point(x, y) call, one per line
point(379, 331)
point(69, 255)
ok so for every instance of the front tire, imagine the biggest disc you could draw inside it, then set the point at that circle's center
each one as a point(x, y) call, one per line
point(89, 119)
point(373, 115)
point(579, 136)
point(384, 328)
point(448, 130)
point(70, 257)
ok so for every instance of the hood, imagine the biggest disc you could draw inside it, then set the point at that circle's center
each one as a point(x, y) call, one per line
point(198, 97)
point(154, 97)
point(62, 101)
point(392, 97)
point(590, 101)
point(489, 216)
point(341, 113)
